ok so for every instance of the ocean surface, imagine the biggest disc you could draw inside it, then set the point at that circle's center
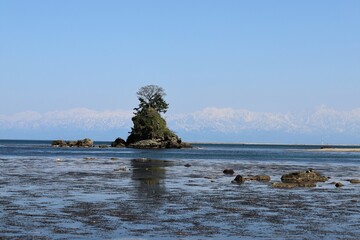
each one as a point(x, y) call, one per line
point(115, 193)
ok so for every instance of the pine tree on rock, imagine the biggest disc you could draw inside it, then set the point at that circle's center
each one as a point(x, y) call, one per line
point(150, 129)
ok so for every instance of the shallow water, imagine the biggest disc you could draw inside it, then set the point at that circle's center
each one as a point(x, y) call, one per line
point(54, 193)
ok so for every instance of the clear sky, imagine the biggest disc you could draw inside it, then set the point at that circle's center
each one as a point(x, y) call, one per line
point(275, 57)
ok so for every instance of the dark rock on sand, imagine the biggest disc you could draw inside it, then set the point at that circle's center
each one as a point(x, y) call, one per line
point(119, 143)
point(229, 171)
point(303, 177)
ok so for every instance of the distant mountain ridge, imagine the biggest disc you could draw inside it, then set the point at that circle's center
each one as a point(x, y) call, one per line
point(218, 124)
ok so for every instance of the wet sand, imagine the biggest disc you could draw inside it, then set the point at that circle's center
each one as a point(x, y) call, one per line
point(336, 150)
point(110, 198)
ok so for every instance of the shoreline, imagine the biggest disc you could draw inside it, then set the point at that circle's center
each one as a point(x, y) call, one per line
point(335, 150)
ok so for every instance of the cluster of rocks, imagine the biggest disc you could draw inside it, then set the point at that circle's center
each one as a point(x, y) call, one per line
point(151, 144)
point(121, 143)
point(241, 179)
point(308, 178)
point(85, 143)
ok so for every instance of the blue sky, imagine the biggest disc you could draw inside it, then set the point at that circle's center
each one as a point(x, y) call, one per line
point(284, 58)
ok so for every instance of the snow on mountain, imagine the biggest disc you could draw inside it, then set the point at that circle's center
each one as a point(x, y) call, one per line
point(222, 120)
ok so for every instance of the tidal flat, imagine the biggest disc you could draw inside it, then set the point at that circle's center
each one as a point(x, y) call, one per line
point(80, 197)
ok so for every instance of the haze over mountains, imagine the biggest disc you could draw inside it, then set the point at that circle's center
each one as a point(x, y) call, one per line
point(323, 125)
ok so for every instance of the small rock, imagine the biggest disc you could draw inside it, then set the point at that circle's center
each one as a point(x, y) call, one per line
point(229, 171)
point(238, 179)
point(339, 184)
point(354, 181)
point(103, 146)
point(187, 165)
point(89, 158)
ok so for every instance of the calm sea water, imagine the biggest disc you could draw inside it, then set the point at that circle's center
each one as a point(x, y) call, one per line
point(111, 193)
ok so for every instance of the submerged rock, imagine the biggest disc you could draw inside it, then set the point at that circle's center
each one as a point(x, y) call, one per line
point(303, 177)
point(293, 185)
point(261, 178)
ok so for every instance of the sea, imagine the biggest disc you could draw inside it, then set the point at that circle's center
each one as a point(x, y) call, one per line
point(123, 193)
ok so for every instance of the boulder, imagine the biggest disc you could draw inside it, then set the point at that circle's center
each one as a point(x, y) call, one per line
point(119, 143)
point(228, 171)
point(85, 143)
point(238, 179)
point(303, 177)
point(59, 143)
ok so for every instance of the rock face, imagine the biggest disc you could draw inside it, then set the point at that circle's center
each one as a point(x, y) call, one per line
point(79, 143)
point(119, 143)
point(150, 131)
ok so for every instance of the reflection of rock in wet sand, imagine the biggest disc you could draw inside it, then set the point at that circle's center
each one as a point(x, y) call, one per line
point(149, 175)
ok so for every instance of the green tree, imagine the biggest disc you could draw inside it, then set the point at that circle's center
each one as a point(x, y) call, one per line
point(151, 96)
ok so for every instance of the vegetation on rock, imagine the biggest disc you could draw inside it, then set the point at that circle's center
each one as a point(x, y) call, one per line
point(150, 129)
